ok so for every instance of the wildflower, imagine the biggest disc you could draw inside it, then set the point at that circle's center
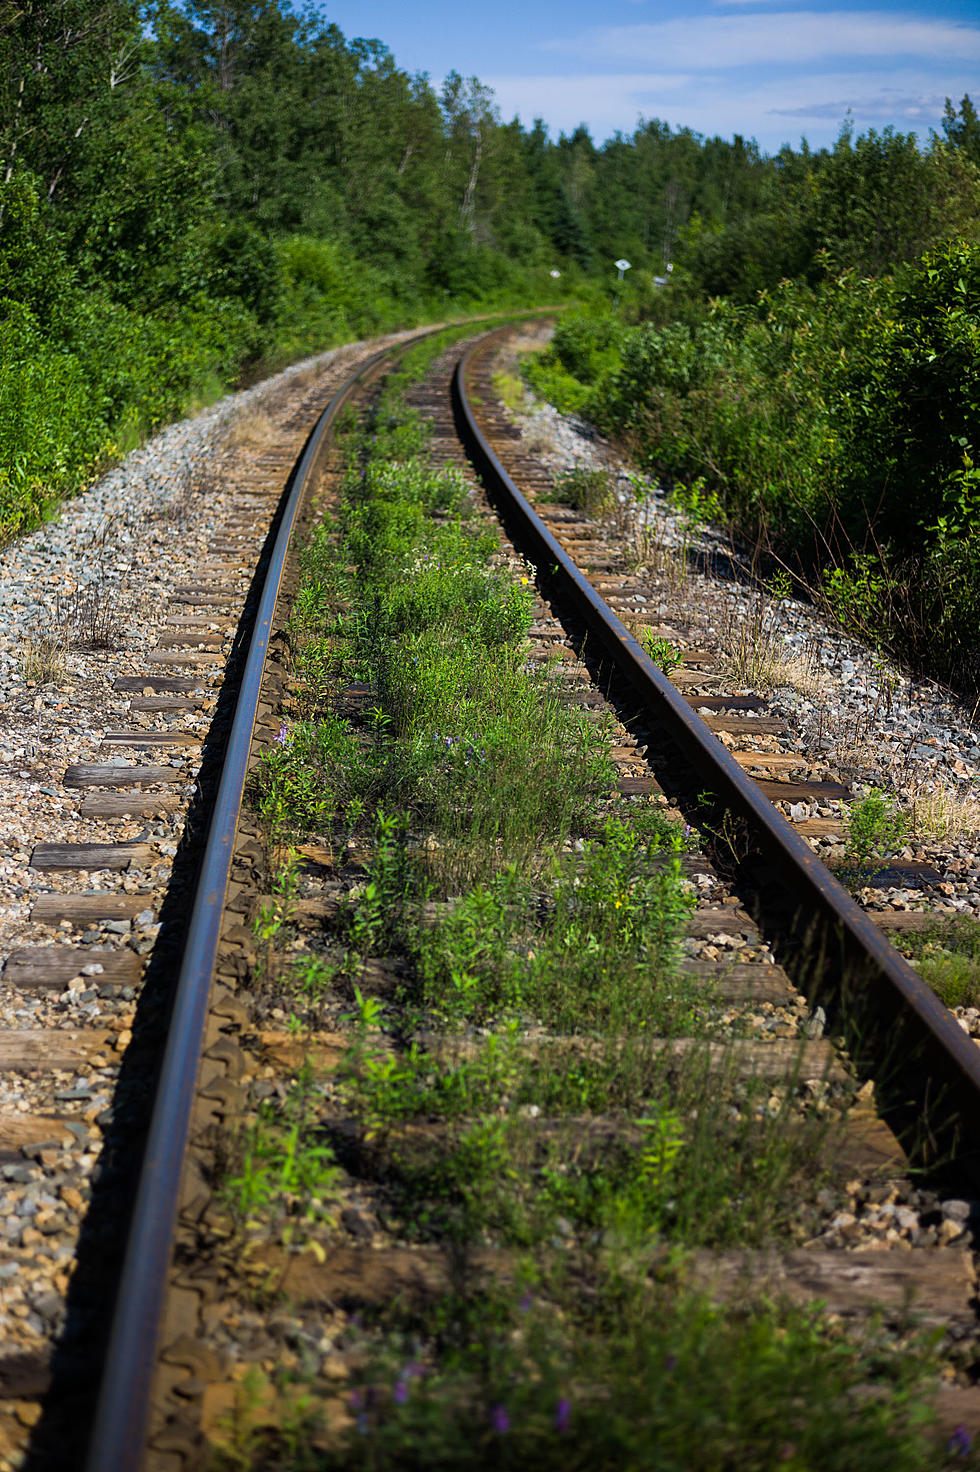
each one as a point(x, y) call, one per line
point(499, 1419)
point(960, 1442)
point(283, 736)
point(563, 1416)
point(401, 1391)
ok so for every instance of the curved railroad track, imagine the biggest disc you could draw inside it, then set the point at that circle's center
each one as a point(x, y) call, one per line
point(806, 953)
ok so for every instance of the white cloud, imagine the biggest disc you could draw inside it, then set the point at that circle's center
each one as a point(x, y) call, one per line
point(806, 37)
point(907, 112)
point(772, 108)
point(566, 101)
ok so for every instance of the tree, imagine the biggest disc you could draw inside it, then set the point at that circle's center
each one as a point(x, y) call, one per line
point(962, 128)
point(63, 64)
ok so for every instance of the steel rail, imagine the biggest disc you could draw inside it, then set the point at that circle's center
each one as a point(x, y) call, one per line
point(869, 971)
point(118, 1439)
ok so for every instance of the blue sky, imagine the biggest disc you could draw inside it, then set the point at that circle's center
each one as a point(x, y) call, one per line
point(772, 70)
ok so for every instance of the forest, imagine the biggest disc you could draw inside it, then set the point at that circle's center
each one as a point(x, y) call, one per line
point(192, 195)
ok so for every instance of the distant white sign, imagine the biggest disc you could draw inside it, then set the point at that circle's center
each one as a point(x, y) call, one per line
point(621, 266)
point(554, 275)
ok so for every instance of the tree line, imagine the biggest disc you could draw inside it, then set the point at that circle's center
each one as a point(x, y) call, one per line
point(190, 190)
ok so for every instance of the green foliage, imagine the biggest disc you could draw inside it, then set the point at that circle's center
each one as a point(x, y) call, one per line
point(639, 1381)
point(283, 1168)
point(585, 488)
point(962, 128)
point(873, 827)
point(665, 655)
point(233, 260)
point(838, 422)
point(587, 944)
point(880, 200)
point(52, 432)
point(948, 957)
point(697, 505)
point(307, 775)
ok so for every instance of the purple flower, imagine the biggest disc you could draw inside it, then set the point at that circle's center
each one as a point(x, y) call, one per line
point(960, 1441)
point(670, 1362)
point(283, 737)
point(499, 1420)
point(563, 1416)
point(401, 1391)
point(527, 1299)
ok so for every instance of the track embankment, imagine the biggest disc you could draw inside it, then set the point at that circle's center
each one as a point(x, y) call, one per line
point(535, 1104)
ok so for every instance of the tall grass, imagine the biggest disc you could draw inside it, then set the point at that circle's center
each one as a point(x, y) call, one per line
point(509, 1096)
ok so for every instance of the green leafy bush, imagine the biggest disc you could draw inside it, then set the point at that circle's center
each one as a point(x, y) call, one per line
point(874, 826)
point(837, 422)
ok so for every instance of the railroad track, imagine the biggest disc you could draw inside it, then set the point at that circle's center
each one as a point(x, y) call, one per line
point(800, 943)
point(97, 921)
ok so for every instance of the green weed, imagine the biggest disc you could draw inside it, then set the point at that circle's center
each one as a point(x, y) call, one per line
point(588, 489)
point(696, 504)
point(590, 942)
point(306, 774)
point(949, 960)
point(275, 914)
point(518, 1087)
point(874, 827)
point(652, 1378)
point(665, 655)
point(285, 1172)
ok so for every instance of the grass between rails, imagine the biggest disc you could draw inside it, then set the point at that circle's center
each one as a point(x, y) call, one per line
point(948, 958)
point(504, 1095)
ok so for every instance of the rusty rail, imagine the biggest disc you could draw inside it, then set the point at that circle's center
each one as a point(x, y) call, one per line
point(119, 1431)
point(924, 1059)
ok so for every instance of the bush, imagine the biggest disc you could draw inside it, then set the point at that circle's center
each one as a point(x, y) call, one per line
point(52, 423)
point(837, 422)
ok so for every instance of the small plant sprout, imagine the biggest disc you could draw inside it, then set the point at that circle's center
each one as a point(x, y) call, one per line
point(640, 485)
point(780, 586)
point(662, 1140)
point(696, 505)
point(369, 1012)
point(586, 489)
point(873, 828)
point(665, 655)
